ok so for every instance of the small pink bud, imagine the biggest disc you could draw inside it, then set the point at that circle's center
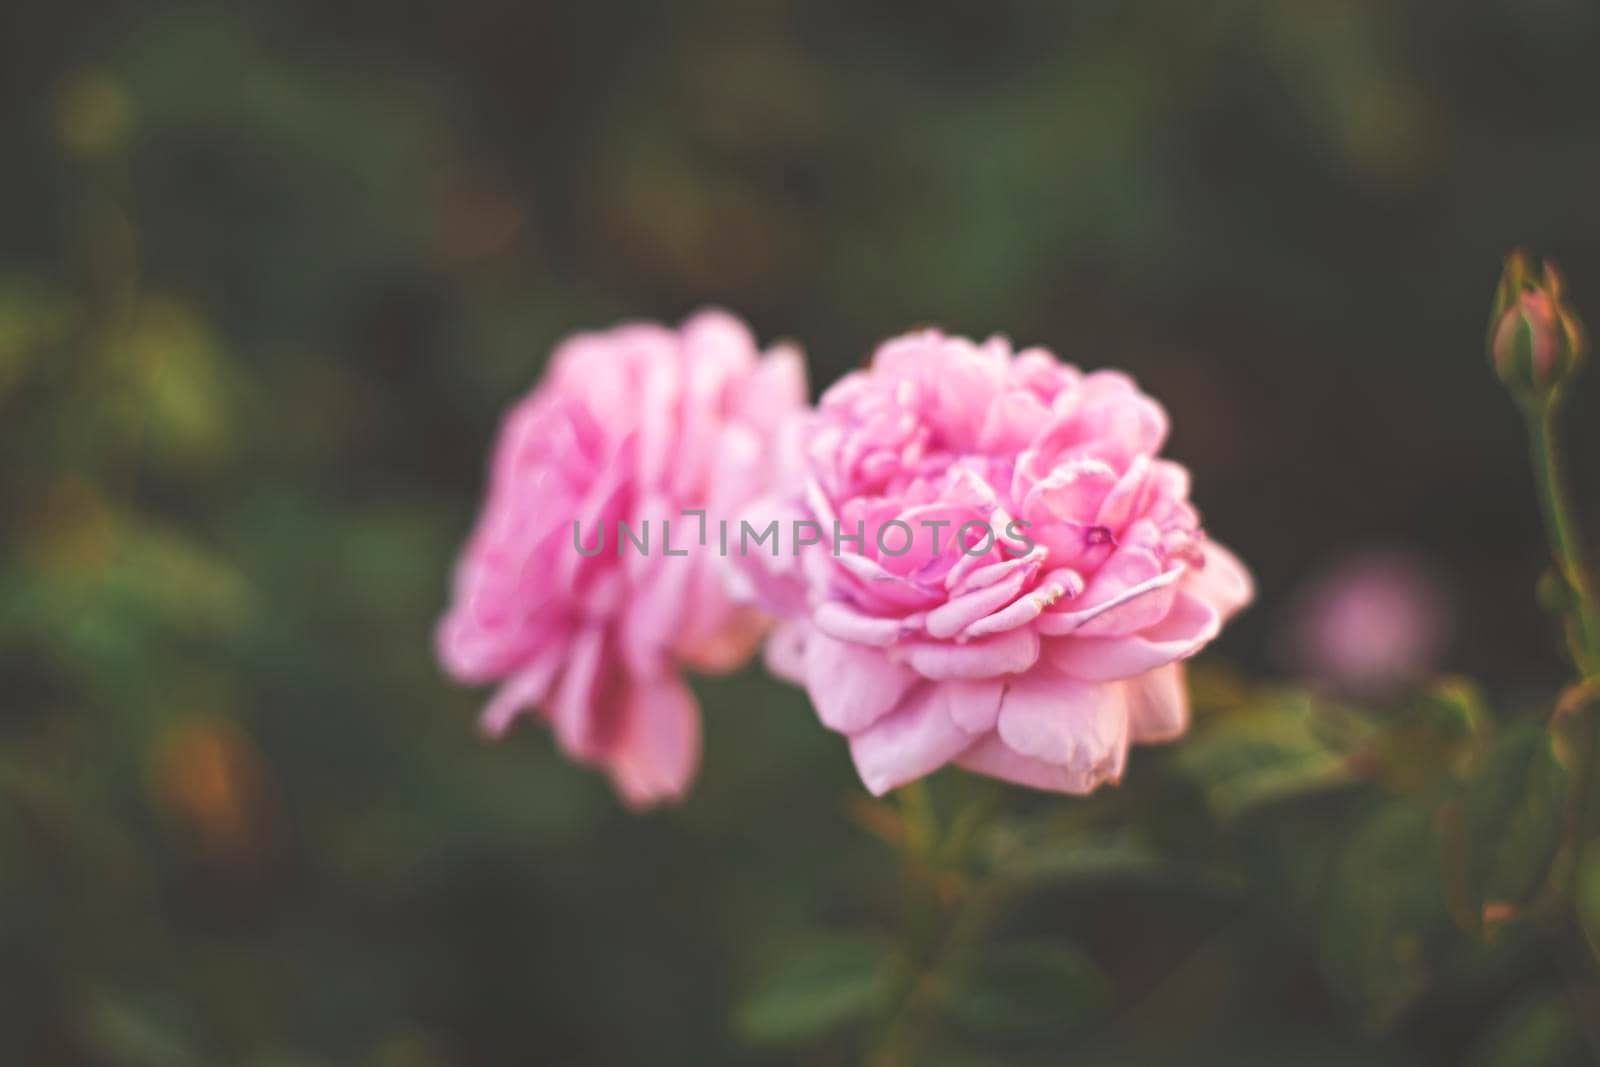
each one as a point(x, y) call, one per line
point(1535, 339)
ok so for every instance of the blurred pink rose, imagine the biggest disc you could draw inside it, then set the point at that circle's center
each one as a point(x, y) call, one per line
point(1071, 577)
point(1371, 624)
point(633, 424)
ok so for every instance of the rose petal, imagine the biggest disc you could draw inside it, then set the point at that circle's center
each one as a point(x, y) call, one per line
point(658, 745)
point(523, 690)
point(916, 740)
point(655, 615)
point(1133, 607)
point(973, 572)
point(993, 757)
point(1118, 506)
point(852, 685)
point(785, 652)
point(1188, 626)
point(1014, 419)
point(1079, 725)
point(1158, 704)
point(991, 657)
point(1223, 581)
point(580, 711)
point(775, 388)
point(847, 624)
point(954, 615)
point(973, 706)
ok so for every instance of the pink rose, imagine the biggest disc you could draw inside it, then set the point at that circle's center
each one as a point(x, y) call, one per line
point(635, 424)
point(1043, 631)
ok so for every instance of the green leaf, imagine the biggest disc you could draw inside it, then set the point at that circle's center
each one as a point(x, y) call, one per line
point(828, 982)
point(1440, 732)
point(1512, 815)
point(1046, 861)
point(1262, 755)
point(182, 401)
point(1385, 912)
point(1024, 991)
point(1588, 893)
point(1540, 1029)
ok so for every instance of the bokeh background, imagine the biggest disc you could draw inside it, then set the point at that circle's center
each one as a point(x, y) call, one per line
point(269, 274)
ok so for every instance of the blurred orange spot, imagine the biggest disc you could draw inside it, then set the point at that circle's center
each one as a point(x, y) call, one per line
point(207, 777)
point(1496, 913)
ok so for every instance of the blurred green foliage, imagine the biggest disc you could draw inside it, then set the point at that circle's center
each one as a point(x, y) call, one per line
point(267, 276)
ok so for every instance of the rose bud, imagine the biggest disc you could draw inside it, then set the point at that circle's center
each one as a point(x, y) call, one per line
point(1536, 340)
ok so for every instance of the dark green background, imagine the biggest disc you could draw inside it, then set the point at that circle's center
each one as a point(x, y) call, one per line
point(268, 275)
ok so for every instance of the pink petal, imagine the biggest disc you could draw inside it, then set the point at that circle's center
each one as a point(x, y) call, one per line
point(1191, 623)
point(1158, 704)
point(740, 472)
point(1079, 725)
point(1025, 609)
point(1014, 419)
point(881, 586)
point(852, 685)
point(1071, 493)
point(776, 387)
point(524, 689)
point(580, 711)
point(1132, 607)
point(605, 503)
point(973, 572)
point(717, 635)
point(717, 351)
point(785, 652)
point(847, 624)
point(991, 657)
point(1168, 481)
point(1223, 582)
point(654, 618)
point(973, 706)
point(954, 615)
point(773, 583)
point(658, 747)
point(993, 757)
point(662, 387)
point(1118, 506)
point(916, 740)
point(1134, 610)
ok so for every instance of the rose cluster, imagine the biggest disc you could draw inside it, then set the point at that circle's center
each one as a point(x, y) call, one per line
point(1001, 571)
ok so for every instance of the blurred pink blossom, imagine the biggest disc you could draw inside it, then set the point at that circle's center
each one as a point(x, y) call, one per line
point(1372, 623)
point(1045, 630)
point(634, 425)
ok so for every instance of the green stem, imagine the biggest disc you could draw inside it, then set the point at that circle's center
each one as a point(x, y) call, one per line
point(908, 1027)
point(920, 922)
point(1578, 723)
point(1565, 541)
point(936, 927)
point(1583, 634)
point(916, 808)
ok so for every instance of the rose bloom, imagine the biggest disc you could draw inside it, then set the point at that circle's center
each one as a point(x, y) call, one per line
point(1045, 630)
point(634, 424)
